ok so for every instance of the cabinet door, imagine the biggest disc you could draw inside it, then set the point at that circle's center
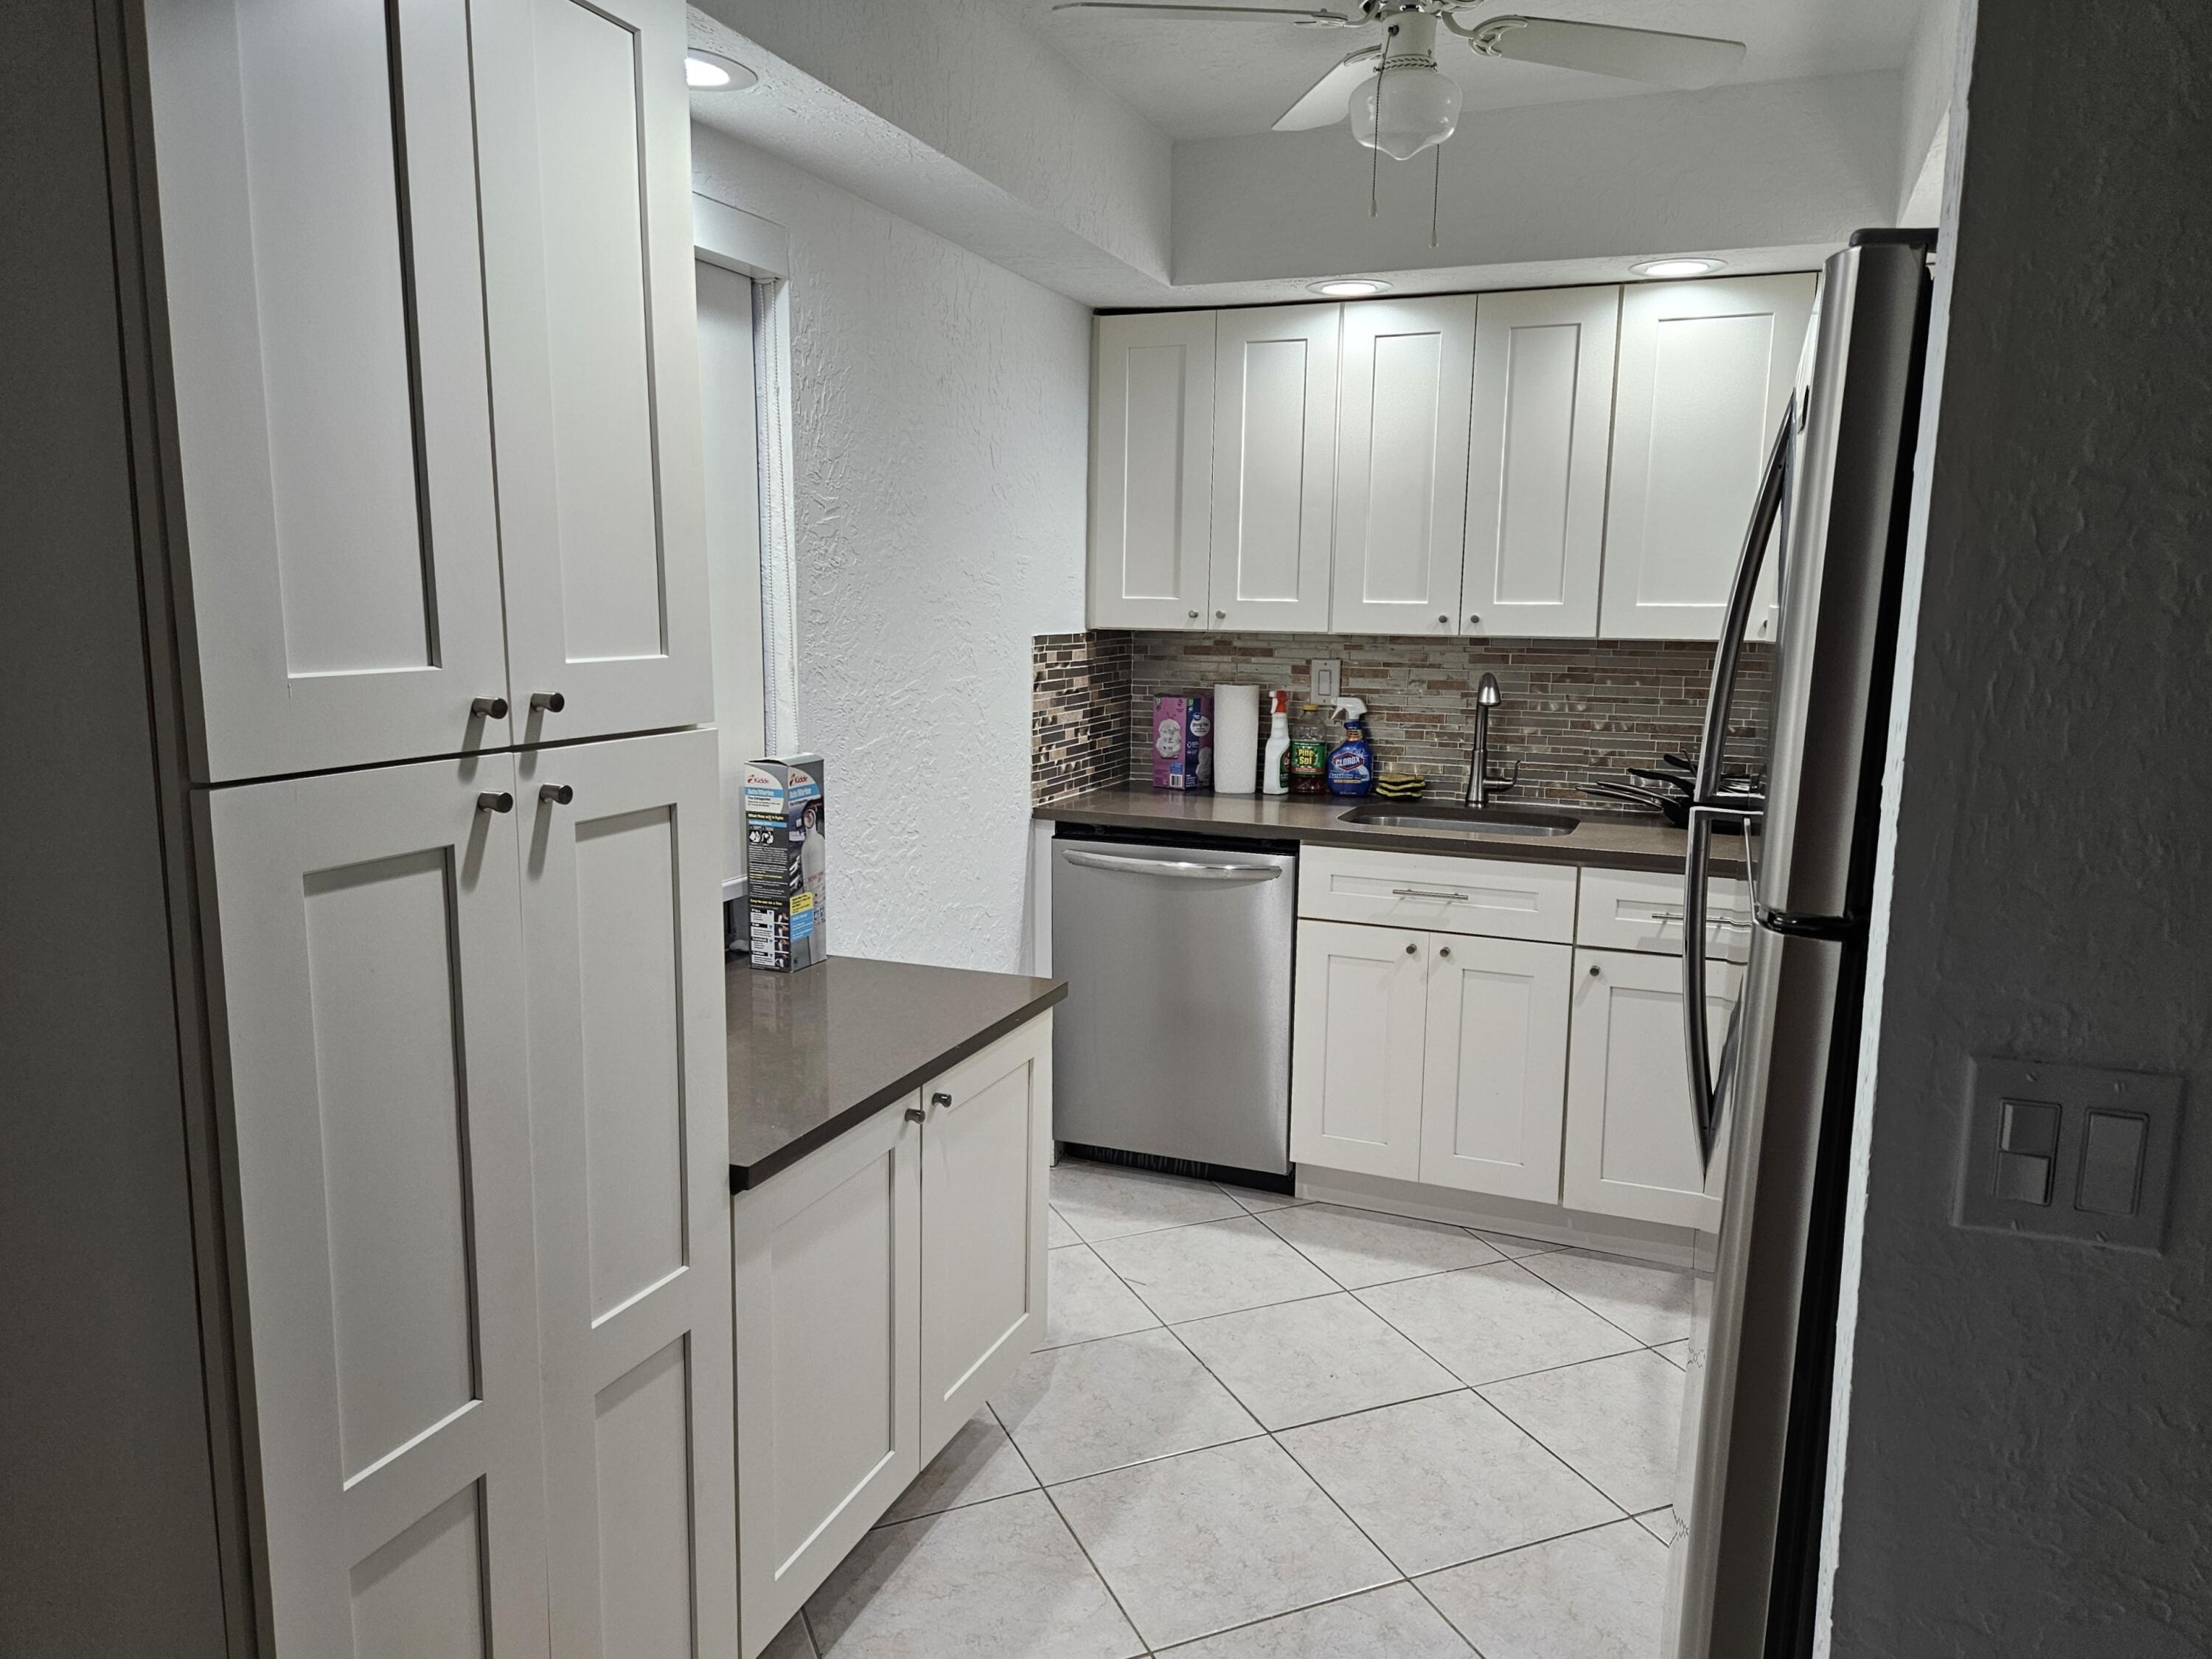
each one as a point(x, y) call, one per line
point(366, 942)
point(984, 1152)
point(1705, 372)
point(1402, 465)
point(325, 324)
point(1493, 1089)
point(621, 886)
point(1152, 464)
point(828, 1300)
point(1631, 1149)
point(588, 252)
point(1274, 466)
point(1359, 1011)
point(1541, 420)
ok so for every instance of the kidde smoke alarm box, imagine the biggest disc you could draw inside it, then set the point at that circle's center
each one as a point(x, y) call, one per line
point(787, 860)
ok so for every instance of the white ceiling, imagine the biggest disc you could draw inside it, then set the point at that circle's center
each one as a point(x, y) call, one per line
point(1211, 80)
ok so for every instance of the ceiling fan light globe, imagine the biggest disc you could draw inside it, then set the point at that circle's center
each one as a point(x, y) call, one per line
point(1419, 107)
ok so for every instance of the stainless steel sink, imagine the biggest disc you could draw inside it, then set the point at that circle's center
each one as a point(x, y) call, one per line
point(1449, 820)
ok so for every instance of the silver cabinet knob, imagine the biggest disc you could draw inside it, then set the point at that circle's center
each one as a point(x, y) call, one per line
point(1194, 616)
point(941, 1100)
point(1221, 616)
point(495, 801)
point(487, 708)
point(1413, 950)
point(1444, 951)
point(548, 702)
point(1475, 619)
point(1444, 619)
point(556, 794)
point(1592, 970)
point(914, 1114)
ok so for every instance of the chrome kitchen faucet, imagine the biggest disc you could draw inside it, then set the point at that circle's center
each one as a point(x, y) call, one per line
point(1480, 786)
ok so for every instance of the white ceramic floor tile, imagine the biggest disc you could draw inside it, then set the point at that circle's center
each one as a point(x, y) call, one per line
point(1507, 1244)
point(1651, 1302)
point(1596, 1596)
point(1616, 1421)
point(1660, 1523)
point(978, 1463)
point(1196, 1544)
point(1103, 1405)
point(1390, 1623)
point(1057, 1232)
point(1444, 1481)
point(1084, 1300)
point(1359, 1248)
point(1491, 1322)
point(791, 1642)
point(1676, 1354)
point(1298, 1361)
point(1257, 1202)
point(1104, 1200)
point(1003, 1578)
point(1189, 1273)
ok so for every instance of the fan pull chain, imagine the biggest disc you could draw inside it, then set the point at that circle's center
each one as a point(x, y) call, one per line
point(1436, 193)
point(1375, 153)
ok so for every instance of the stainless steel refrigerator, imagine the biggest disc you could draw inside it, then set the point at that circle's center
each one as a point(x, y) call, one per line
point(1777, 1096)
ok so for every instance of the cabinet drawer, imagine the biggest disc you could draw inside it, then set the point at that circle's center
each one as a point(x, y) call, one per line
point(1642, 910)
point(1439, 894)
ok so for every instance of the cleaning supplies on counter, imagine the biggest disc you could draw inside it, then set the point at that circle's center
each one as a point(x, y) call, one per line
point(1308, 752)
point(1182, 743)
point(1351, 762)
point(1236, 739)
point(1400, 785)
point(786, 862)
point(1275, 764)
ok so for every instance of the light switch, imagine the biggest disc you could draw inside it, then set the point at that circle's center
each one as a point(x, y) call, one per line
point(1328, 681)
point(2111, 1164)
point(2070, 1151)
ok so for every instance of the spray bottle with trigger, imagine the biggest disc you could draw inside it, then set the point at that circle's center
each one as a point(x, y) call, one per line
point(1351, 762)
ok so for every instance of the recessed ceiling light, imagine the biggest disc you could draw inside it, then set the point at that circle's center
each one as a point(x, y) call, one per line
point(1677, 267)
point(708, 71)
point(1349, 288)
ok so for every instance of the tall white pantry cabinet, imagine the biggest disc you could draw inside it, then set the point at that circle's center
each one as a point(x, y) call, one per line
point(423, 282)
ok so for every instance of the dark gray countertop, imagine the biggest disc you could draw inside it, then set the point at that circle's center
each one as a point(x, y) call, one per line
point(813, 1053)
point(1609, 839)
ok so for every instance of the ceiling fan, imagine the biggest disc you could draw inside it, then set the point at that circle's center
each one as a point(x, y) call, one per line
point(1401, 103)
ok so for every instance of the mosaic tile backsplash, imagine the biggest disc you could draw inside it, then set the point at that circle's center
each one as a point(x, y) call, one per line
point(1572, 711)
point(1078, 712)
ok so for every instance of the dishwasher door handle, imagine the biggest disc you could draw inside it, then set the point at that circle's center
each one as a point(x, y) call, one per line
point(1177, 870)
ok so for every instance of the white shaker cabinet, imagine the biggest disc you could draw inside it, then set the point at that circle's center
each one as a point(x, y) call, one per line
point(1275, 467)
point(1705, 372)
point(828, 1299)
point(1402, 465)
point(985, 1146)
point(371, 1045)
point(332, 437)
point(621, 884)
point(1493, 1087)
point(585, 136)
point(1541, 421)
point(424, 292)
point(1630, 1147)
point(1359, 1010)
point(1152, 423)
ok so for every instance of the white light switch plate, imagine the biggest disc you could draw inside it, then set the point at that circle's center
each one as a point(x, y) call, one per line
point(1328, 679)
point(2070, 1151)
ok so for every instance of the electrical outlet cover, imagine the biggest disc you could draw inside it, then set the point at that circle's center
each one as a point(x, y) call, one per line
point(2070, 1151)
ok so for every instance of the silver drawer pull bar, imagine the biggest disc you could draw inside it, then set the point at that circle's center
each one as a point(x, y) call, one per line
point(1180, 871)
point(1742, 925)
point(1423, 892)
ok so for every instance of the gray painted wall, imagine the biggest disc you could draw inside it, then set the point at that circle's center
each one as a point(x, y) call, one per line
point(2029, 1458)
point(107, 1535)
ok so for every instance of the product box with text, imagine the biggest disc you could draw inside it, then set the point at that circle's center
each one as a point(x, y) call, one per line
point(785, 862)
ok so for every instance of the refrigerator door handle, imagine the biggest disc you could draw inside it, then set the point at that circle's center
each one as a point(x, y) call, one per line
point(1712, 742)
point(1707, 1091)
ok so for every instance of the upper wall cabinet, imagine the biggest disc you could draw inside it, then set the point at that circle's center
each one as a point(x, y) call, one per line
point(1275, 462)
point(1402, 465)
point(1152, 423)
point(1535, 491)
point(362, 206)
point(1705, 371)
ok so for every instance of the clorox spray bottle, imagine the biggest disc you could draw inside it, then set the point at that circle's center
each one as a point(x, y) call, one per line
point(1351, 762)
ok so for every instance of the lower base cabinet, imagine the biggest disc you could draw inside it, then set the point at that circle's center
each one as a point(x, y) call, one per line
point(1631, 1149)
point(883, 1286)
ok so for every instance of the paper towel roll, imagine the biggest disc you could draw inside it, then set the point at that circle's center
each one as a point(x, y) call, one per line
point(1236, 739)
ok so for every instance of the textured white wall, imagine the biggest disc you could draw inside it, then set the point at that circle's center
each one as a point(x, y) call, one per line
point(940, 456)
point(2028, 1465)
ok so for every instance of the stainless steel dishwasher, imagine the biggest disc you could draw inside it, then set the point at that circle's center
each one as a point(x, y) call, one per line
point(1174, 1041)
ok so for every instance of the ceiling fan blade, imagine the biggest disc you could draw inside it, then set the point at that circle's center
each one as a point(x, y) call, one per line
point(1216, 14)
point(1687, 61)
point(1324, 101)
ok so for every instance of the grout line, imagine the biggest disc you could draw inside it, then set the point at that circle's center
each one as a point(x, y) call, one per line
point(1144, 1644)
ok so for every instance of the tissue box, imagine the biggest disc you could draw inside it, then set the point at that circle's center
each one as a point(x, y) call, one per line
point(1182, 743)
point(787, 860)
